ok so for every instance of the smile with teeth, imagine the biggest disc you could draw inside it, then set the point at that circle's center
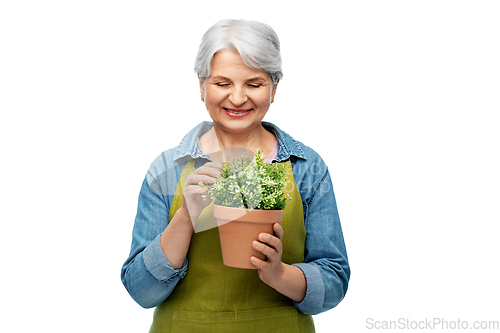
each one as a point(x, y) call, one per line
point(237, 111)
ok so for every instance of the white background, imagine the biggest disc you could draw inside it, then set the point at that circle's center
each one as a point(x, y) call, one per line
point(401, 99)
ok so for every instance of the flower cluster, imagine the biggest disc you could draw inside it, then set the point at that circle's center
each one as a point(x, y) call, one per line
point(247, 184)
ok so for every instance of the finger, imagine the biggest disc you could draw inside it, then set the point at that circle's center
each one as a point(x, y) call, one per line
point(212, 165)
point(196, 179)
point(259, 263)
point(268, 251)
point(208, 172)
point(209, 168)
point(195, 189)
point(278, 231)
point(271, 241)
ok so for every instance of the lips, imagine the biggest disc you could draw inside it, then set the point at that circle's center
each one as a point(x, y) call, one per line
point(237, 112)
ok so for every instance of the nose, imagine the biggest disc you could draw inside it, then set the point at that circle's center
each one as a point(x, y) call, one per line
point(238, 96)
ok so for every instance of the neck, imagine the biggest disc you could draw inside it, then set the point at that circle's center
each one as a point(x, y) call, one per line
point(255, 137)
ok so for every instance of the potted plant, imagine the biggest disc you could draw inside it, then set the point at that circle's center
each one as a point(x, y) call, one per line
point(248, 199)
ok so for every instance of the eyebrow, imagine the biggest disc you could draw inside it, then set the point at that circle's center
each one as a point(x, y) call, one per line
point(218, 77)
point(221, 77)
point(257, 78)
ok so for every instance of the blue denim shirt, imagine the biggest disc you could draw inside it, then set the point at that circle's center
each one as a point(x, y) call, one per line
point(149, 277)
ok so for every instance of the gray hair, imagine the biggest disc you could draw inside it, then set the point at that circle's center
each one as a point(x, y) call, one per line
point(256, 42)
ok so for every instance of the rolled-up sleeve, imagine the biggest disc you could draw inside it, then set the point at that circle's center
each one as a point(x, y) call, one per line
point(158, 265)
point(147, 274)
point(315, 293)
point(326, 267)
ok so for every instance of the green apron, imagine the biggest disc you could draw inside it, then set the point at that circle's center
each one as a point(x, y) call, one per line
point(219, 299)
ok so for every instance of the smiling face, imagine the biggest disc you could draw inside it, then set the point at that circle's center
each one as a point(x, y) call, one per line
point(236, 96)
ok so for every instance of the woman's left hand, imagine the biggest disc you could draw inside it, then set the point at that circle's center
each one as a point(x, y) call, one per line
point(271, 270)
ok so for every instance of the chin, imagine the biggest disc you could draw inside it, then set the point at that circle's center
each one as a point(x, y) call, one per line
point(238, 125)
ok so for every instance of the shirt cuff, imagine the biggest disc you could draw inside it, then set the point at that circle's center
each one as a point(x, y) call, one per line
point(315, 292)
point(158, 265)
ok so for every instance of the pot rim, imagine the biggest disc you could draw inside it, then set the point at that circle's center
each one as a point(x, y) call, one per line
point(247, 215)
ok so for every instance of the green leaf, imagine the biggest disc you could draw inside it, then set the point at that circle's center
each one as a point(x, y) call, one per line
point(247, 184)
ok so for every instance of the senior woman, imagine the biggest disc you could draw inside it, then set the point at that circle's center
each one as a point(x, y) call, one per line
point(180, 271)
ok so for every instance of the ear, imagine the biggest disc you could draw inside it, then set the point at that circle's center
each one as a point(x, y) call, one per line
point(273, 92)
point(202, 88)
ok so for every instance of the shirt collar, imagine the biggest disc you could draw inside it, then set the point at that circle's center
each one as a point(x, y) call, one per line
point(287, 146)
point(190, 144)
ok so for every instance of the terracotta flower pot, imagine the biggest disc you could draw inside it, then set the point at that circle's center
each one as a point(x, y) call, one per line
point(238, 228)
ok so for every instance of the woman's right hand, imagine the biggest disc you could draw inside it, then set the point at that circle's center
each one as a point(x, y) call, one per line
point(193, 201)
